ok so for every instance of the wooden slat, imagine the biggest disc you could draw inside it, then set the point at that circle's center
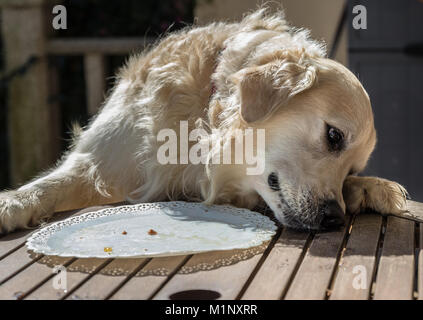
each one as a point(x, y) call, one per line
point(77, 273)
point(149, 279)
point(314, 274)
point(102, 284)
point(94, 81)
point(227, 281)
point(90, 279)
point(15, 262)
point(12, 242)
point(14, 256)
point(15, 240)
point(395, 274)
point(358, 259)
point(273, 276)
point(105, 46)
point(29, 278)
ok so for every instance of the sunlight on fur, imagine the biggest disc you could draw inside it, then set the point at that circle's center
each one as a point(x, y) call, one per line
point(258, 73)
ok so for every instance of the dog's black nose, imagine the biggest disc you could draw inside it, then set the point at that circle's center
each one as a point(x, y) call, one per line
point(333, 215)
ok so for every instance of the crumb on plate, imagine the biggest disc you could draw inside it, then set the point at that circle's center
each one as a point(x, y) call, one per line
point(151, 232)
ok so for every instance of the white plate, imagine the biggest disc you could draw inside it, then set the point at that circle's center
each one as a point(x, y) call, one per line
point(182, 228)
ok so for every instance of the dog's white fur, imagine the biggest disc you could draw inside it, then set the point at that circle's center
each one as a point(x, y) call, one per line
point(266, 75)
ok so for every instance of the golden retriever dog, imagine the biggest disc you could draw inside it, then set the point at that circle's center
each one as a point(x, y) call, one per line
point(225, 79)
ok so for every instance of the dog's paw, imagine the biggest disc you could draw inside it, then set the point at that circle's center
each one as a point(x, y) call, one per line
point(18, 211)
point(378, 194)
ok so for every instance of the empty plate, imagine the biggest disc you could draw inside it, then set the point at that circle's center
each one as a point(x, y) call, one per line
point(153, 230)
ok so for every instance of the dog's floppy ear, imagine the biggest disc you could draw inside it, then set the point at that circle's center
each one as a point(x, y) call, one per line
point(264, 88)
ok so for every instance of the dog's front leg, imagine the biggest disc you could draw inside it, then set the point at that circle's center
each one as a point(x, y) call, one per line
point(71, 185)
point(374, 193)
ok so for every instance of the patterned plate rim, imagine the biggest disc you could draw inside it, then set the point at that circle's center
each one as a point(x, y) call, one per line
point(37, 242)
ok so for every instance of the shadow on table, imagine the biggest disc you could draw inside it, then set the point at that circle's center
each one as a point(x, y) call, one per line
point(162, 266)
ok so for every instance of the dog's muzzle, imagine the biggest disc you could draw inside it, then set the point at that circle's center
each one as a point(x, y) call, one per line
point(333, 215)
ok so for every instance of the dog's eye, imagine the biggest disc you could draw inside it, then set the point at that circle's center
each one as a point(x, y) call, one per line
point(335, 138)
point(273, 181)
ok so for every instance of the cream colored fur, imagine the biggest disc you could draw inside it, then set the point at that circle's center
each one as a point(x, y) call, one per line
point(267, 75)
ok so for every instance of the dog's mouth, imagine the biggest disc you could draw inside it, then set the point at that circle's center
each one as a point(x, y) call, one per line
point(327, 216)
point(287, 210)
point(301, 209)
point(291, 215)
point(297, 219)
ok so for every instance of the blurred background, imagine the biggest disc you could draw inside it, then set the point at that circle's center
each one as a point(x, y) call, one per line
point(51, 78)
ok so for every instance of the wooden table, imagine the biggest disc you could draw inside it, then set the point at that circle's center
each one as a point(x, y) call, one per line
point(373, 257)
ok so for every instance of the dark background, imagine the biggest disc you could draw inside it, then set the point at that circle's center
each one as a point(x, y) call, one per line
point(4, 177)
point(386, 57)
point(96, 18)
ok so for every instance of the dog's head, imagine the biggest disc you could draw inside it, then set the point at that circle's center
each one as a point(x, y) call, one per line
point(319, 129)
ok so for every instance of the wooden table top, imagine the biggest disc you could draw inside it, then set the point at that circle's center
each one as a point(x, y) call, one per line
point(373, 257)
